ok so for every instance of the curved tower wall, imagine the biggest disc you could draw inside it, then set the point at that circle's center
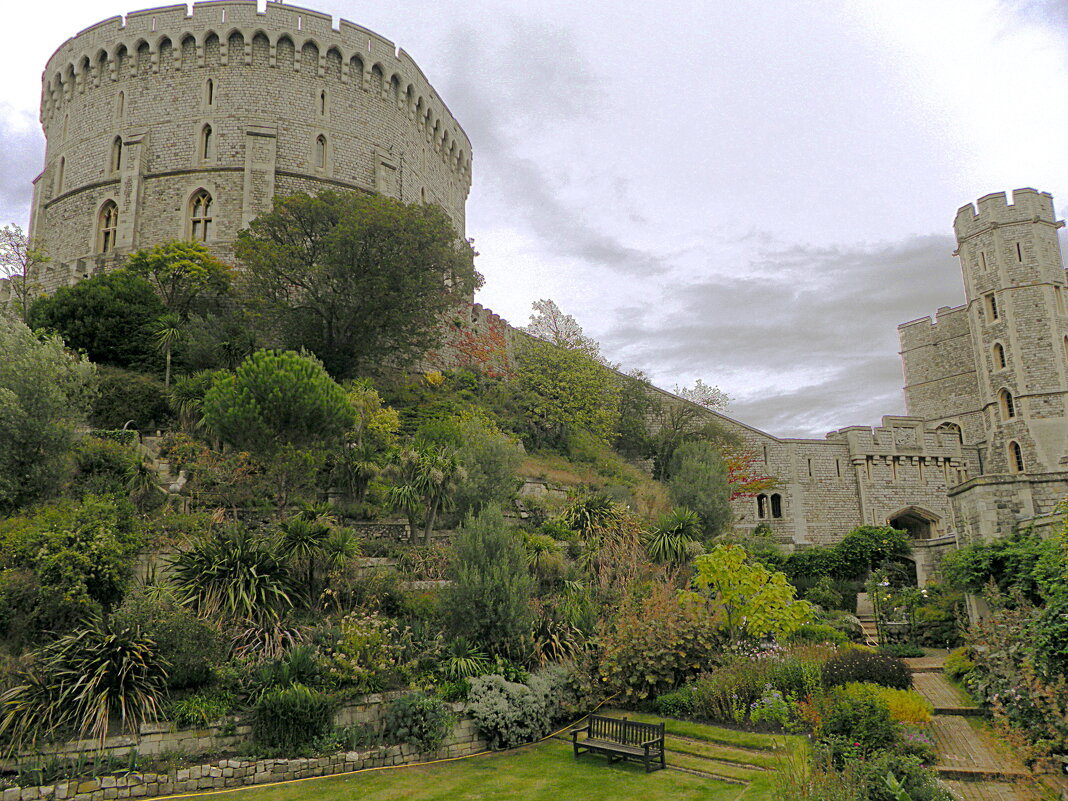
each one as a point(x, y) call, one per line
point(291, 102)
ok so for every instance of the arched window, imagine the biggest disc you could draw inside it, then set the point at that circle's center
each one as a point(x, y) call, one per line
point(322, 103)
point(1008, 405)
point(116, 154)
point(200, 216)
point(776, 505)
point(207, 143)
point(320, 151)
point(120, 105)
point(107, 227)
point(59, 175)
point(762, 506)
point(1016, 461)
point(999, 356)
point(952, 429)
point(209, 92)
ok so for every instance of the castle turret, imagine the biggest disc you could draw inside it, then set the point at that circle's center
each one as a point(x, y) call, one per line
point(179, 124)
point(1015, 288)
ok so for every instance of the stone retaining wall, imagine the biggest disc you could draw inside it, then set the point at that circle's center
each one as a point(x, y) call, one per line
point(231, 772)
point(245, 772)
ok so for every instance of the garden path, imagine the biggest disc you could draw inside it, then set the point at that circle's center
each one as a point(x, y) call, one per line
point(973, 765)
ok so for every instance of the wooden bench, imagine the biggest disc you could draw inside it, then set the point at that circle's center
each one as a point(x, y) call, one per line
point(622, 739)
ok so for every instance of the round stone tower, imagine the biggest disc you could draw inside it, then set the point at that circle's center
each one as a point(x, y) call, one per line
point(1015, 287)
point(171, 125)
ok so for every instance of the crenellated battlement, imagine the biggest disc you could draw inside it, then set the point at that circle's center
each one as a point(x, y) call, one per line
point(1028, 205)
point(949, 322)
point(170, 38)
point(899, 436)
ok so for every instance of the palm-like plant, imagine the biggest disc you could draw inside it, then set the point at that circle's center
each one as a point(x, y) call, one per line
point(83, 681)
point(673, 538)
point(589, 512)
point(233, 575)
point(167, 332)
point(463, 660)
point(428, 478)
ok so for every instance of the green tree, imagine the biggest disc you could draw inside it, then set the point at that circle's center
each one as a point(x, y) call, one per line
point(180, 272)
point(274, 399)
point(489, 601)
point(44, 393)
point(564, 391)
point(360, 280)
point(698, 481)
point(752, 600)
point(109, 317)
point(18, 258)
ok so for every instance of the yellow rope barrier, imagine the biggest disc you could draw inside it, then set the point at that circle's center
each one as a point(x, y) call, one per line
point(239, 788)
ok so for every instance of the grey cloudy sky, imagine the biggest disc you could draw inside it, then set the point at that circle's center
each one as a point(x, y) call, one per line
point(750, 193)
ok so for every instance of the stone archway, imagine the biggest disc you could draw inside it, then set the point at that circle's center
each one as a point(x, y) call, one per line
point(920, 523)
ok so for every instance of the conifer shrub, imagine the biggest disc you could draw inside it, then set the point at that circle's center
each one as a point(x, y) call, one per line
point(859, 664)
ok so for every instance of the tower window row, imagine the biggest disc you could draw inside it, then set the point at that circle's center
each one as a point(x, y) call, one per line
point(199, 222)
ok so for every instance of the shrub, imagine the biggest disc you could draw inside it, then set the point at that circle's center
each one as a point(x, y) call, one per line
point(906, 706)
point(489, 599)
point(858, 664)
point(130, 398)
point(657, 647)
point(419, 720)
point(190, 645)
point(292, 718)
point(675, 704)
point(201, 709)
point(816, 633)
point(823, 593)
point(919, 783)
point(368, 654)
point(862, 722)
point(103, 467)
point(958, 666)
point(507, 713)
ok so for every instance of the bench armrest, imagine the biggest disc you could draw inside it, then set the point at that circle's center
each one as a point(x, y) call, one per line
point(575, 732)
point(652, 742)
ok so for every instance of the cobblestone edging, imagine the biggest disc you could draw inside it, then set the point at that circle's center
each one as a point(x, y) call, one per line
point(246, 772)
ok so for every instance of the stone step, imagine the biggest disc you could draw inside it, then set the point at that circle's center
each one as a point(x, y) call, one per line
point(983, 774)
point(990, 791)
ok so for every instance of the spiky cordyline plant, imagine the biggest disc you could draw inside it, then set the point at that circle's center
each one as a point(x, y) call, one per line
point(81, 682)
point(234, 575)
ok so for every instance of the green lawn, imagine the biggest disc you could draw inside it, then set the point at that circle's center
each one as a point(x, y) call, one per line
point(549, 772)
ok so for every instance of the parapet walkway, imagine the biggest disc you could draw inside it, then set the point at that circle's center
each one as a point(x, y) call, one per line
point(971, 762)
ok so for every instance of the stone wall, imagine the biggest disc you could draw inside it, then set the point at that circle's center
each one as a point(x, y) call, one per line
point(163, 738)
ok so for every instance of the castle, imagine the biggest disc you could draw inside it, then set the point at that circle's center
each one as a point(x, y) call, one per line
point(169, 124)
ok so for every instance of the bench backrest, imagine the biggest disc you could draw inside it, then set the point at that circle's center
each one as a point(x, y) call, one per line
point(624, 732)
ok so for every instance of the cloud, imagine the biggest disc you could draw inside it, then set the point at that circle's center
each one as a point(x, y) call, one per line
point(808, 334)
point(523, 105)
point(21, 158)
